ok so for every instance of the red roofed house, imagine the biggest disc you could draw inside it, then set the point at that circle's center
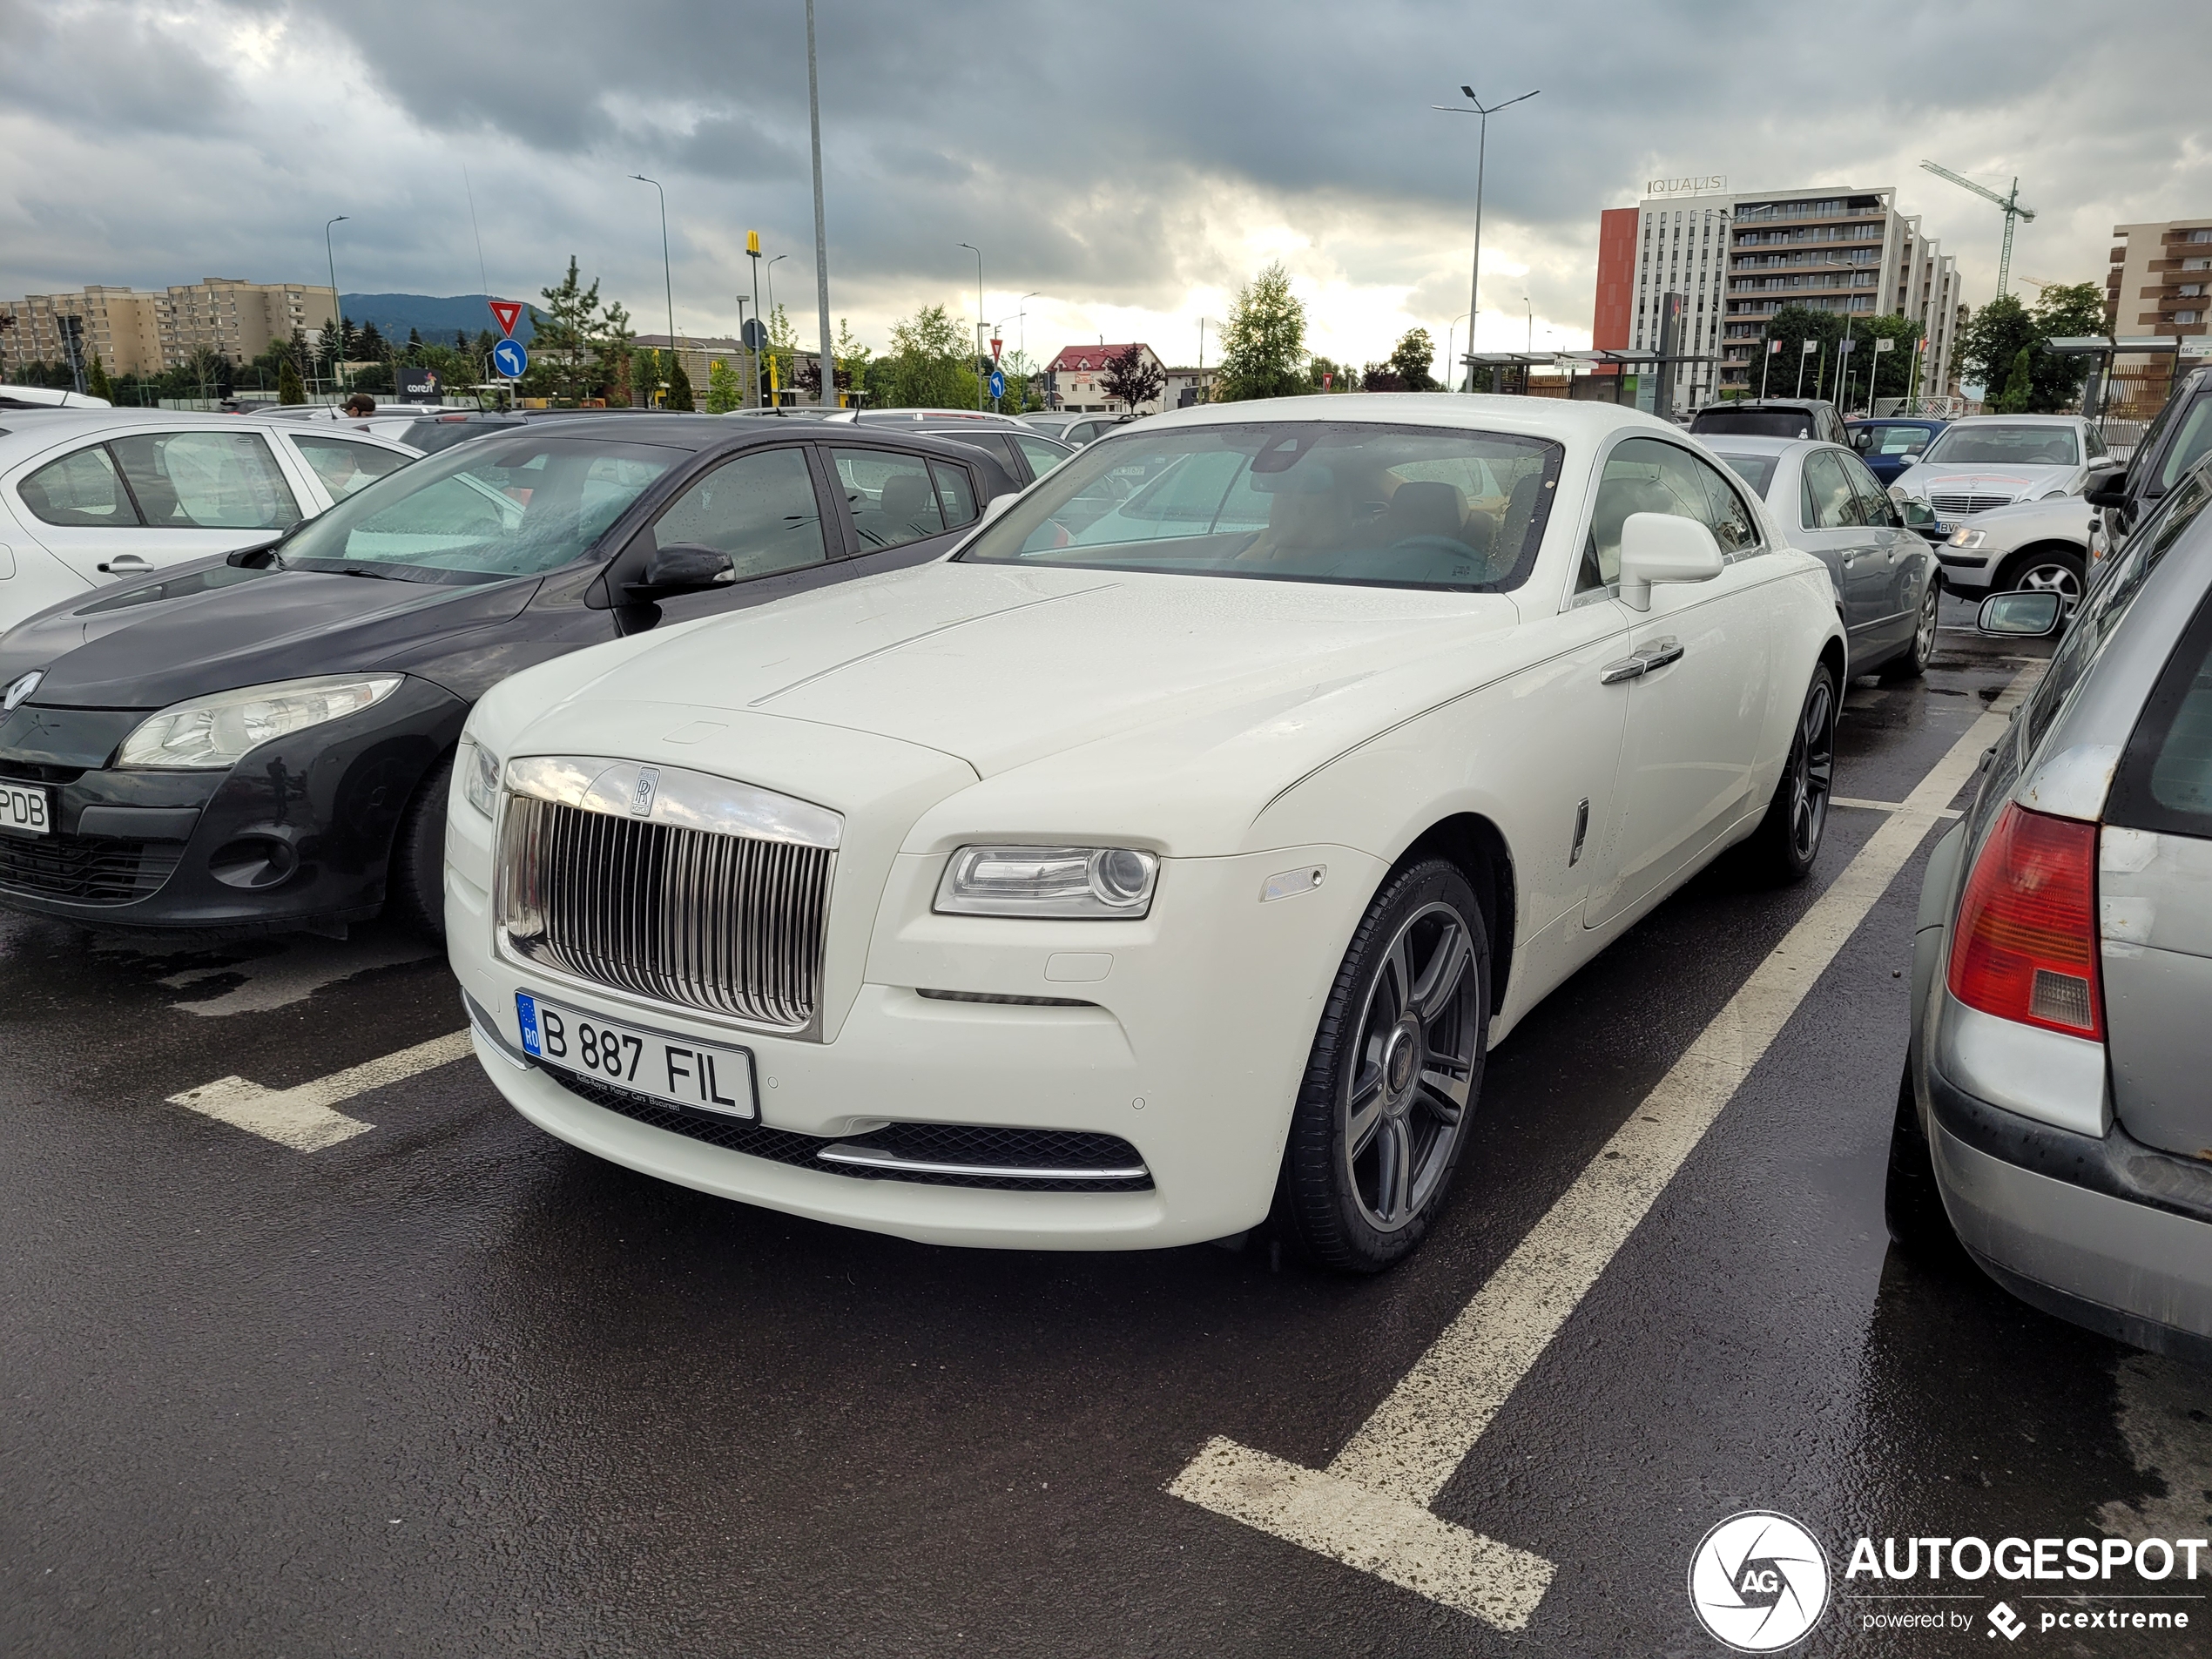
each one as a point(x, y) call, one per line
point(1076, 379)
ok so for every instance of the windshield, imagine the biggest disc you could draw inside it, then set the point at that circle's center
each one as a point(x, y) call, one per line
point(2006, 446)
point(1299, 501)
point(1756, 423)
point(1755, 470)
point(498, 508)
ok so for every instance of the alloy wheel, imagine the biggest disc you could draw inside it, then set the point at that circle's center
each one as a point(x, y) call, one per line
point(1812, 769)
point(1923, 635)
point(2061, 579)
point(1407, 1089)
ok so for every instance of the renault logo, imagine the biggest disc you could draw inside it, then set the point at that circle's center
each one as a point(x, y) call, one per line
point(20, 690)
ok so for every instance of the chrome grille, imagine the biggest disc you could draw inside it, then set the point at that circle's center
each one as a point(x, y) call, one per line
point(1962, 506)
point(723, 919)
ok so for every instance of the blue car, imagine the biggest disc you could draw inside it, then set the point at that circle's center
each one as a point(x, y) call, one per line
point(1889, 446)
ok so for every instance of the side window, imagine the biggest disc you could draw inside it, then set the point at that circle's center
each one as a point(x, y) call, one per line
point(1835, 504)
point(81, 489)
point(1042, 457)
point(891, 496)
point(2096, 443)
point(343, 466)
point(1732, 524)
point(760, 509)
point(955, 494)
point(1874, 505)
point(207, 480)
point(1642, 475)
point(2164, 781)
point(2108, 603)
point(2190, 443)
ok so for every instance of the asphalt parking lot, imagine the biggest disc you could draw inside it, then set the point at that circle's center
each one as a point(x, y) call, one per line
point(445, 1385)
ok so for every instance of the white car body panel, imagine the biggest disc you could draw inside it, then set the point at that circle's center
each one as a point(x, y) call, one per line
point(2068, 521)
point(55, 563)
point(1236, 728)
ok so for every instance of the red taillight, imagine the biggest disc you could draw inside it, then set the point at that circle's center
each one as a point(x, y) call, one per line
point(2025, 945)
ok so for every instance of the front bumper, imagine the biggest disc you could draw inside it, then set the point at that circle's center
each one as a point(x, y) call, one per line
point(1191, 1032)
point(299, 833)
point(2103, 1231)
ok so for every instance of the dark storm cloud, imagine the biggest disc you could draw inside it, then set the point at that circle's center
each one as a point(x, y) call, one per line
point(1091, 148)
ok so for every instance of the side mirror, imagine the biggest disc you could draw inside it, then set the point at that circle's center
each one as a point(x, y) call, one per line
point(993, 507)
point(1918, 515)
point(2111, 490)
point(682, 566)
point(1661, 546)
point(2024, 614)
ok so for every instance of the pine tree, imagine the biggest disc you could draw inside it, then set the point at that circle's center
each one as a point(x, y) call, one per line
point(289, 388)
point(96, 382)
point(722, 392)
point(679, 386)
point(2019, 385)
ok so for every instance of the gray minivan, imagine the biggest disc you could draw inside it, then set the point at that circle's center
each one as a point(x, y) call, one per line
point(2055, 1113)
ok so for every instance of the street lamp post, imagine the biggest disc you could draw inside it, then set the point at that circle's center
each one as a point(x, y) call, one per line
point(755, 355)
point(978, 253)
point(668, 278)
point(1481, 157)
point(1449, 330)
point(753, 253)
point(821, 234)
point(339, 356)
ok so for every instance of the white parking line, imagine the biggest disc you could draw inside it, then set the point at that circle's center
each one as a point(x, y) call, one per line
point(1880, 806)
point(1370, 1508)
point(303, 1117)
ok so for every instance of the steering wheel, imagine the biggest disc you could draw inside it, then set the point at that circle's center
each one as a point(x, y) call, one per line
point(1429, 558)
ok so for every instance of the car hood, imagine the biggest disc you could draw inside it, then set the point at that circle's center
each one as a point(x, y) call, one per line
point(268, 625)
point(1000, 666)
point(2065, 513)
point(2017, 483)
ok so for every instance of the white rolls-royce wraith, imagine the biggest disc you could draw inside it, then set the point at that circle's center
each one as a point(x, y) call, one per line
point(1169, 857)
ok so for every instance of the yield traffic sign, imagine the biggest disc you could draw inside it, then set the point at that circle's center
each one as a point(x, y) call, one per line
point(508, 312)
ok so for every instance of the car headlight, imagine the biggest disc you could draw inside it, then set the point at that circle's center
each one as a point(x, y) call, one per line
point(480, 777)
point(1085, 883)
point(212, 732)
point(1900, 495)
point(1969, 538)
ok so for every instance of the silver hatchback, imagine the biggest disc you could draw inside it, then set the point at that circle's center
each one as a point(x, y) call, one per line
point(2056, 1112)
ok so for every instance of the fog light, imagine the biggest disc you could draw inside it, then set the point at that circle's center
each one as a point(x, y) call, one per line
point(254, 862)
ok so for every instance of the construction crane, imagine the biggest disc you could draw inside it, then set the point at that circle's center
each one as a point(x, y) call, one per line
point(2014, 212)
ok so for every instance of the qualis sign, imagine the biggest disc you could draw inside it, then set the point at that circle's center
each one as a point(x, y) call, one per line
point(1703, 184)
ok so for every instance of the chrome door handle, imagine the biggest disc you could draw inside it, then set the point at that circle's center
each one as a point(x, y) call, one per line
point(125, 564)
point(1625, 668)
point(1642, 660)
point(1660, 653)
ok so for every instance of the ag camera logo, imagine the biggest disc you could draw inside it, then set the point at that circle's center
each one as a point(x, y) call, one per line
point(1758, 1582)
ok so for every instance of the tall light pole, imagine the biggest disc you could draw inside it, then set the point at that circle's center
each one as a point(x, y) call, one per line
point(978, 253)
point(668, 278)
point(1481, 155)
point(822, 235)
point(753, 253)
point(339, 355)
point(755, 355)
point(1450, 362)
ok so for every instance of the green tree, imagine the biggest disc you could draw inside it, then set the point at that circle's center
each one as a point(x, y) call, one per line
point(1326, 374)
point(1993, 341)
point(1989, 349)
point(1263, 347)
point(1411, 357)
point(289, 389)
point(96, 382)
point(2019, 385)
point(723, 394)
point(647, 375)
point(679, 385)
point(1793, 325)
point(931, 365)
point(1133, 377)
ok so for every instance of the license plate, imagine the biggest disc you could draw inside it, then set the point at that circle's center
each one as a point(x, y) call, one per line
point(25, 809)
point(680, 1070)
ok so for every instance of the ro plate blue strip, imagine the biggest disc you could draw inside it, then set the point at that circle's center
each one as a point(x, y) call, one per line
point(526, 1012)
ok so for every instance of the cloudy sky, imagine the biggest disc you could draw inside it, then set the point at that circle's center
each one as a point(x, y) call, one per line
point(1129, 161)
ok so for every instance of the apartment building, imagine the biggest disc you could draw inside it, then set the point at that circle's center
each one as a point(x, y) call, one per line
point(2160, 281)
point(1737, 259)
point(137, 332)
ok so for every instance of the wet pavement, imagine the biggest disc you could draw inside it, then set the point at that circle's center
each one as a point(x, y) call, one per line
point(449, 1387)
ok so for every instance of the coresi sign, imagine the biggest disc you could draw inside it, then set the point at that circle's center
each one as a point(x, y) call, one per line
point(1705, 184)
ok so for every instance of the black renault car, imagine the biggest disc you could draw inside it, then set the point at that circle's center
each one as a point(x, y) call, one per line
point(264, 740)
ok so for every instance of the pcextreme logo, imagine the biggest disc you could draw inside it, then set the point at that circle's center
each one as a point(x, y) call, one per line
point(1758, 1582)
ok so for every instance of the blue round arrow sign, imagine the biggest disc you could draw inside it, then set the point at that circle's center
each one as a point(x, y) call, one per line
point(998, 384)
point(510, 359)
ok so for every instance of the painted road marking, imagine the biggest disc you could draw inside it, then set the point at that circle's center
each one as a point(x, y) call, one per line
point(304, 1117)
point(1361, 1509)
point(1881, 806)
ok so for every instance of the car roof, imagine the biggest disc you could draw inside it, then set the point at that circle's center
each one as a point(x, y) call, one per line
point(1746, 444)
point(2019, 420)
point(1765, 403)
point(1479, 411)
point(51, 423)
point(1900, 420)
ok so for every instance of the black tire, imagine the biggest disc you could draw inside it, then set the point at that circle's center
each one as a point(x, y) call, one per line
point(415, 891)
point(1788, 839)
point(1415, 1060)
point(1912, 662)
point(1912, 1205)
point(2058, 568)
